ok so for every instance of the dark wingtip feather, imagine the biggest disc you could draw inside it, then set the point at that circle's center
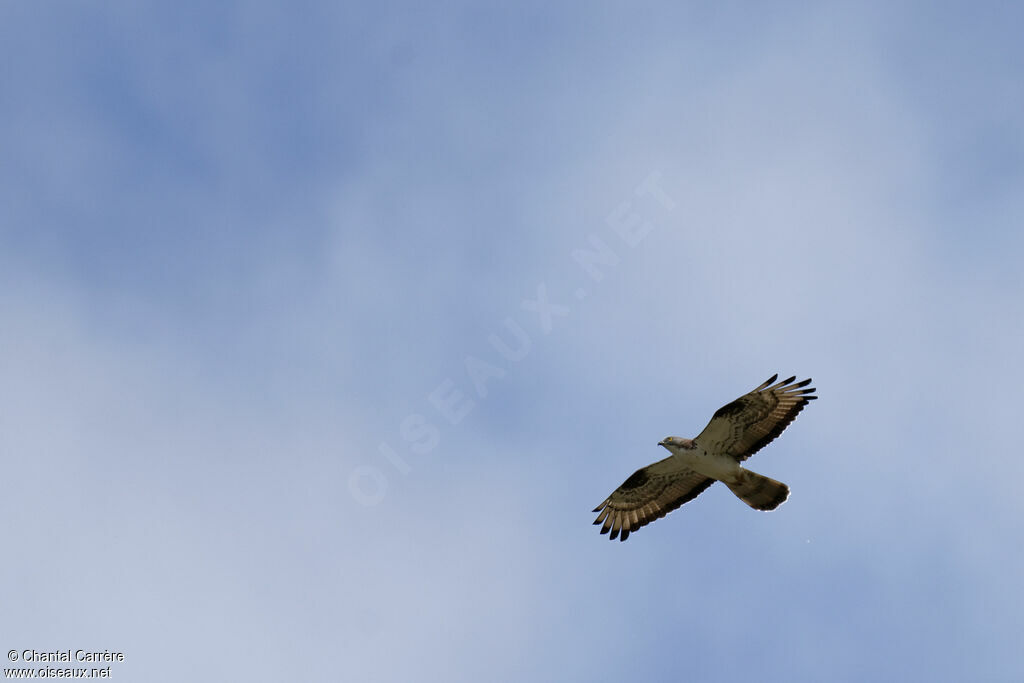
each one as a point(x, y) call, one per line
point(598, 508)
point(789, 380)
point(772, 378)
point(804, 383)
point(604, 530)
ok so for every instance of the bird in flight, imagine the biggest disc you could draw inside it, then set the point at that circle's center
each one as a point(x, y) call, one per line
point(736, 431)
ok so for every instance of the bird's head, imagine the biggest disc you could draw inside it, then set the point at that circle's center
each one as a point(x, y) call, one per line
point(673, 443)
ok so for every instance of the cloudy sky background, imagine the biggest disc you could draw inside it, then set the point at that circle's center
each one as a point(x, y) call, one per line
point(243, 243)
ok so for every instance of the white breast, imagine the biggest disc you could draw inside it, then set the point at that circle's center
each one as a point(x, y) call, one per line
point(720, 467)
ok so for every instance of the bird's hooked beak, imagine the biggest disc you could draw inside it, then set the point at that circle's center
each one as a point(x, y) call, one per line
point(662, 443)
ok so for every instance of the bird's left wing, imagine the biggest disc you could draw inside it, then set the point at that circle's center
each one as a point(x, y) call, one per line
point(649, 494)
point(752, 421)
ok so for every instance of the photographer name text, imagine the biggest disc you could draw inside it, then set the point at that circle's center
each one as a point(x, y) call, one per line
point(70, 656)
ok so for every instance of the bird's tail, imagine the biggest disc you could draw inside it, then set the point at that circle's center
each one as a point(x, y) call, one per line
point(758, 491)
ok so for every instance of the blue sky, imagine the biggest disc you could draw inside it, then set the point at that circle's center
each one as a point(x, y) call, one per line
point(243, 245)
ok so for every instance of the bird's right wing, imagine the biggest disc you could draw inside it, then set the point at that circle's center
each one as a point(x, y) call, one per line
point(752, 421)
point(649, 494)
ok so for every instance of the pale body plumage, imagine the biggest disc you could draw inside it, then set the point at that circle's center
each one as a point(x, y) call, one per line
point(735, 432)
point(688, 455)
